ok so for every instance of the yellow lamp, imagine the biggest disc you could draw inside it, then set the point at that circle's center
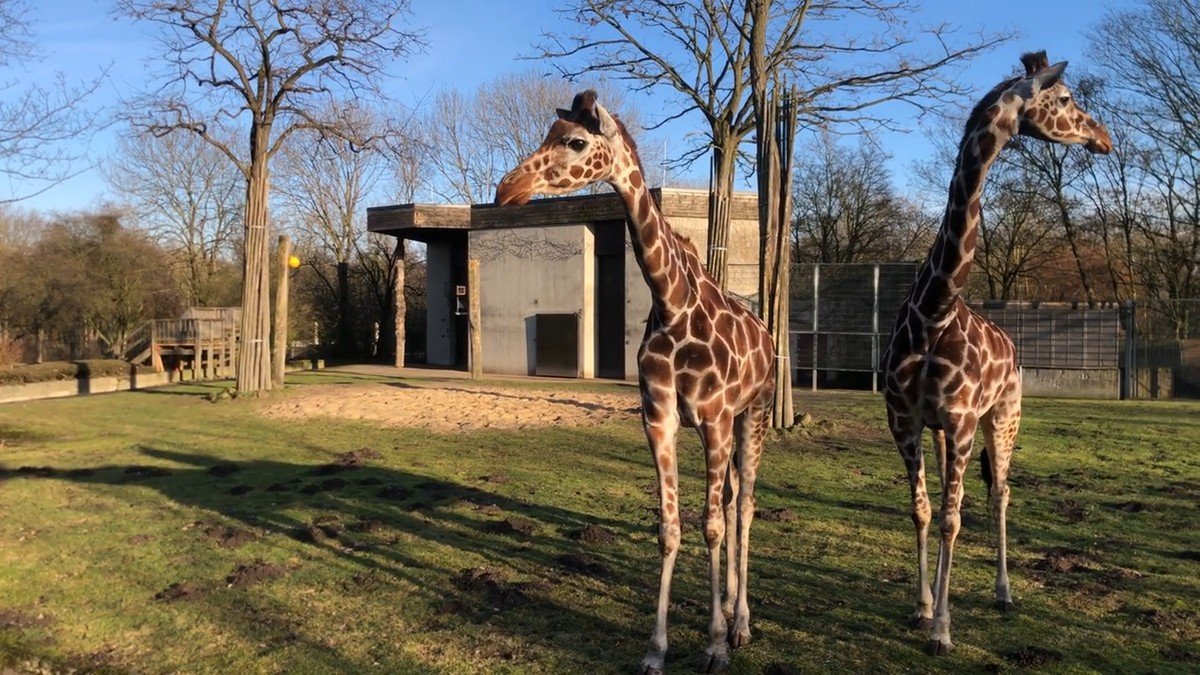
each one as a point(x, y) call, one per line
point(293, 262)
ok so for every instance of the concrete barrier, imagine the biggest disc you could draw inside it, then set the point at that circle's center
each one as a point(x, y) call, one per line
point(33, 391)
point(1071, 383)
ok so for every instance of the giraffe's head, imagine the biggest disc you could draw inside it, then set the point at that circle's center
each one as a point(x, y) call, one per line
point(1048, 112)
point(584, 145)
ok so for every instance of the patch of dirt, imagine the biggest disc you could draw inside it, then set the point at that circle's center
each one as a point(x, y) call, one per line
point(594, 534)
point(103, 659)
point(1032, 657)
point(495, 479)
point(253, 573)
point(1130, 506)
point(363, 581)
point(1071, 511)
point(228, 537)
point(494, 584)
point(489, 509)
point(456, 407)
point(239, 490)
point(1063, 561)
point(396, 493)
point(513, 525)
point(139, 539)
point(224, 469)
point(777, 515)
point(15, 618)
point(330, 484)
point(582, 563)
point(347, 461)
point(180, 590)
point(280, 487)
point(367, 526)
point(370, 480)
point(781, 668)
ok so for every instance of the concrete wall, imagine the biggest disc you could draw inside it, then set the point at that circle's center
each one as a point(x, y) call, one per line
point(440, 322)
point(1069, 383)
point(97, 385)
point(529, 271)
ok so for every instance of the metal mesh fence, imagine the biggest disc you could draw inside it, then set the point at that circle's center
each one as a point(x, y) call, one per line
point(1060, 335)
point(1163, 353)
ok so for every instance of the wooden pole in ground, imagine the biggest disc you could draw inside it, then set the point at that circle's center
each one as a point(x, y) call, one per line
point(281, 311)
point(401, 303)
point(474, 320)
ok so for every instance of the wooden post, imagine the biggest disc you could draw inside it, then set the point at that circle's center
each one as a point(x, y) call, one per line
point(400, 302)
point(281, 311)
point(193, 326)
point(474, 320)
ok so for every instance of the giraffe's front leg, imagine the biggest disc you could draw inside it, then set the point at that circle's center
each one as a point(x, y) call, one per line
point(661, 424)
point(732, 488)
point(717, 437)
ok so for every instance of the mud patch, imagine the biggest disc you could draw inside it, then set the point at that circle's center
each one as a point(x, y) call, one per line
point(778, 515)
point(1063, 561)
point(494, 585)
point(1130, 506)
point(239, 490)
point(22, 620)
point(370, 480)
point(367, 526)
point(224, 469)
point(594, 534)
point(1032, 657)
point(363, 581)
point(582, 563)
point(228, 537)
point(139, 539)
point(395, 493)
point(253, 573)
point(180, 590)
point(494, 479)
point(1071, 511)
point(347, 461)
point(512, 525)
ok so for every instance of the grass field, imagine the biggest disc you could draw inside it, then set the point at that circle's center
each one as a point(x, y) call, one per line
point(159, 532)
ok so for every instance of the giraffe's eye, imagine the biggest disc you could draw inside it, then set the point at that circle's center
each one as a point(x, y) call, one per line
point(577, 144)
point(1063, 100)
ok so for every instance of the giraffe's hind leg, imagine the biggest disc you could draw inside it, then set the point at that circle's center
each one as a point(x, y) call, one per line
point(1000, 426)
point(732, 489)
point(717, 437)
point(751, 430)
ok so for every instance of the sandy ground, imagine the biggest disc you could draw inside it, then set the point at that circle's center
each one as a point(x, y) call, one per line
point(456, 407)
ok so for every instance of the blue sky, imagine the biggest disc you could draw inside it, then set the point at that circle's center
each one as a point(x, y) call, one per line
point(475, 41)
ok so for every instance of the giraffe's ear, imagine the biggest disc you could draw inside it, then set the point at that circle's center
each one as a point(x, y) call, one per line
point(1050, 76)
point(563, 114)
point(608, 125)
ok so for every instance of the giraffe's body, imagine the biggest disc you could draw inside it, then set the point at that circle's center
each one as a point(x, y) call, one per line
point(947, 368)
point(706, 362)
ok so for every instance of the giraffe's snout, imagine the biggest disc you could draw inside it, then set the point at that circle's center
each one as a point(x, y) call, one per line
point(515, 188)
point(1100, 142)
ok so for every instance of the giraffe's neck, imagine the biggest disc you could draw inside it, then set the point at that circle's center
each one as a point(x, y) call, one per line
point(944, 272)
point(663, 256)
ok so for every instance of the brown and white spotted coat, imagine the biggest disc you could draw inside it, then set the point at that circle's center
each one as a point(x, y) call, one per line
point(706, 362)
point(947, 368)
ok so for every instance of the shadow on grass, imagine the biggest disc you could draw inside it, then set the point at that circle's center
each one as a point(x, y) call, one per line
point(509, 556)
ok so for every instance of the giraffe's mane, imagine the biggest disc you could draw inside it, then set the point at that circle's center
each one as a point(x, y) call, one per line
point(989, 99)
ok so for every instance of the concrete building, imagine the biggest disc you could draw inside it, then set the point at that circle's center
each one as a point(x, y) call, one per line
point(560, 292)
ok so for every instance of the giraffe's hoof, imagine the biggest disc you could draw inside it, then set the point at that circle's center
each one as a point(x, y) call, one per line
point(712, 663)
point(938, 648)
point(922, 622)
point(650, 668)
point(739, 638)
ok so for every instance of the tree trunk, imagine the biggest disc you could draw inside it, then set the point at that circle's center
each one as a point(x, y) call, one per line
point(345, 331)
point(720, 191)
point(401, 310)
point(281, 311)
point(254, 356)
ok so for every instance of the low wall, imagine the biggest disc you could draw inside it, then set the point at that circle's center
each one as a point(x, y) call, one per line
point(98, 385)
point(1071, 383)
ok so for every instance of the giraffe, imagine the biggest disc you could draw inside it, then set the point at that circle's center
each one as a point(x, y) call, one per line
point(951, 370)
point(705, 362)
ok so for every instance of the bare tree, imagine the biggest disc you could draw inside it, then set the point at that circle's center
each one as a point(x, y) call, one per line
point(37, 120)
point(185, 192)
point(845, 208)
point(269, 68)
point(701, 50)
point(324, 183)
point(474, 138)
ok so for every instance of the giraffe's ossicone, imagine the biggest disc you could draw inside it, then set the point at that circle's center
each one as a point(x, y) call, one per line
point(952, 371)
point(705, 362)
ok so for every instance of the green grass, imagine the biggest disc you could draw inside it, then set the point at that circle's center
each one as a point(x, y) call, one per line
point(1103, 544)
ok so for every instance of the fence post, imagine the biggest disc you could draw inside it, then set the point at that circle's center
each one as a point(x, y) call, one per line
point(816, 311)
point(875, 334)
point(1129, 369)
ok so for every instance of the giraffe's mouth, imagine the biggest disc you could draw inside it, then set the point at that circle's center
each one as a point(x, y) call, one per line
point(515, 189)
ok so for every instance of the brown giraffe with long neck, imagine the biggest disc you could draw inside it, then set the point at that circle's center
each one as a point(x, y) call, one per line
point(951, 370)
point(705, 362)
